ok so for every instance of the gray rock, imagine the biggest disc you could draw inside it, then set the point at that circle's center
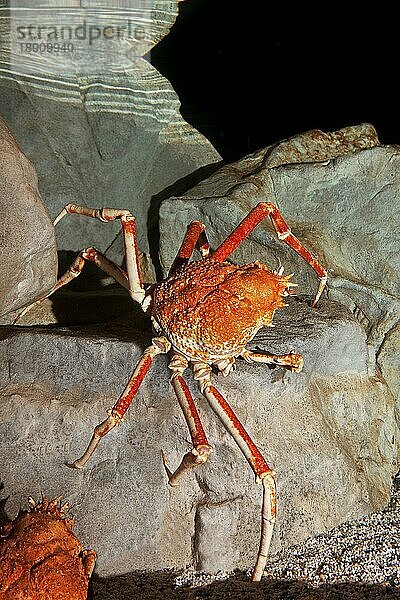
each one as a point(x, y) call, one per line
point(28, 256)
point(329, 433)
point(104, 130)
point(340, 193)
point(358, 559)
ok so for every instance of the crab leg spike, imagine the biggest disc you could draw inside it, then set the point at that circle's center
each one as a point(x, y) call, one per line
point(257, 462)
point(321, 287)
point(65, 508)
point(31, 502)
point(44, 503)
point(201, 448)
point(195, 237)
point(255, 216)
point(158, 346)
point(53, 503)
point(89, 561)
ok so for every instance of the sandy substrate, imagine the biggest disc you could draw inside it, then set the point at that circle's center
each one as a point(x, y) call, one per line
point(358, 560)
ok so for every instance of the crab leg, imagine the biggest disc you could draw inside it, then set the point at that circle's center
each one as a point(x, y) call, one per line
point(195, 237)
point(201, 448)
point(255, 216)
point(130, 280)
point(128, 224)
point(158, 346)
point(293, 361)
point(89, 254)
point(257, 462)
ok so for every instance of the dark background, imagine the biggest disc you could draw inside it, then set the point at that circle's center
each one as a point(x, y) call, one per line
point(249, 74)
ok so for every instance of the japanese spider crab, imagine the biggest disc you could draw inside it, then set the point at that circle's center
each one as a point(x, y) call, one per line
point(204, 313)
point(41, 557)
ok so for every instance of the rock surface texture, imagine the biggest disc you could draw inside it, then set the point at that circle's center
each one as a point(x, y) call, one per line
point(340, 193)
point(28, 255)
point(329, 433)
point(104, 130)
point(358, 560)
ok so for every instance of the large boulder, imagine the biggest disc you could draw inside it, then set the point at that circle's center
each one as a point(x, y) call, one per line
point(28, 255)
point(101, 125)
point(340, 193)
point(329, 433)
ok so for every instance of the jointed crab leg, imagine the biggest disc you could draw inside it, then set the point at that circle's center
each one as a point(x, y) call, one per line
point(201, 448)
point(195, 237)
point(255, 216)
point(130, 280)
point(159, 346)
point(92, 255)
point(292, 361)
point(106, 265)
point(135, 288)
point(257, 462)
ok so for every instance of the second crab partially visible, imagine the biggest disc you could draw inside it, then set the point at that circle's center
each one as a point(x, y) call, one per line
point(40, 556)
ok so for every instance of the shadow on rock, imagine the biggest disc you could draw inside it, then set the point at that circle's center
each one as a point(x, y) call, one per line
point(161, 586)
point(178, 188)
point(3, 515)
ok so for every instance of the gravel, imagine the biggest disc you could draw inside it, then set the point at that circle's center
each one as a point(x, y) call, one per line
point(358, 560)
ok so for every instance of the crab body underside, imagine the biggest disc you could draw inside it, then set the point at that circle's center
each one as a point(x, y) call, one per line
point(204, 313)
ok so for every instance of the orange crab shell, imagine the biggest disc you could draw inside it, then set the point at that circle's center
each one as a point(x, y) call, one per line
point(41, 558)
point(210, 310)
